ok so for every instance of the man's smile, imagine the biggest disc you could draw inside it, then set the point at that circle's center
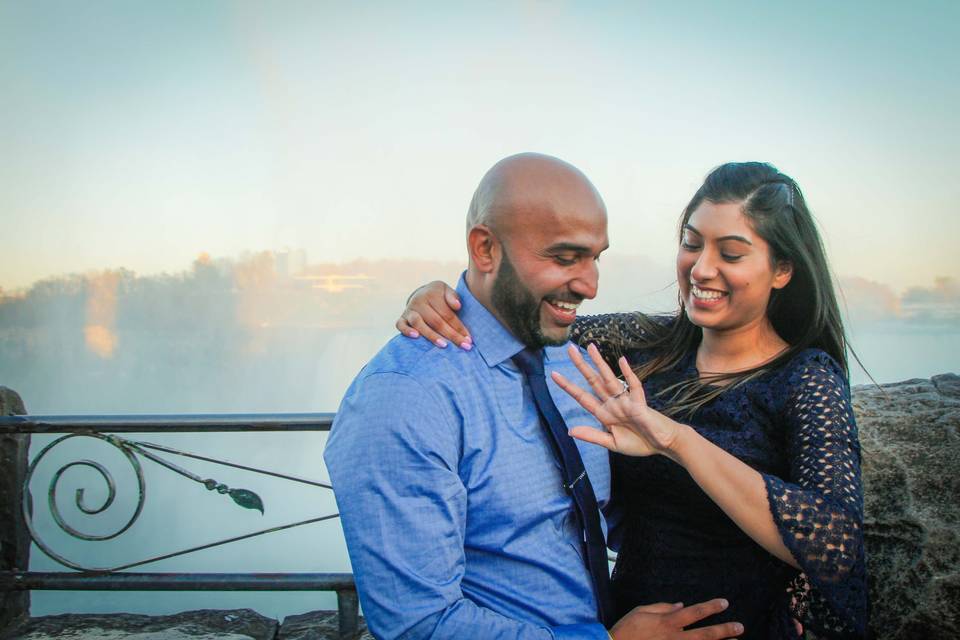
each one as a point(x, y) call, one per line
point(564, 312)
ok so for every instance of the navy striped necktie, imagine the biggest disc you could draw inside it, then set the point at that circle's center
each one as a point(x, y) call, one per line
point(575, 480)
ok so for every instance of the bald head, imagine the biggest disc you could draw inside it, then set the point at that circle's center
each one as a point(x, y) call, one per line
point(535, 229)
point(524, 184)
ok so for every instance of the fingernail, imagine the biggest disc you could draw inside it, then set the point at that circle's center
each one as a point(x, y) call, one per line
point(441, 343)
point(737, 628)
point(466, 346)
point(678, 605)
point(413, 334)
point(468, 339)
point(724, 604)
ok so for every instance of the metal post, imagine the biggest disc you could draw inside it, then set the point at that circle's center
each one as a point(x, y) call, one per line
point(348, 613)
point(14, 539)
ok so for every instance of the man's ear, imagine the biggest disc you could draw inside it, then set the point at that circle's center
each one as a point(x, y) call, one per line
point(484, 248)
point(782, 274)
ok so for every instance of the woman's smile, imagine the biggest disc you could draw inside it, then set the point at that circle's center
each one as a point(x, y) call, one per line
point(705, 297)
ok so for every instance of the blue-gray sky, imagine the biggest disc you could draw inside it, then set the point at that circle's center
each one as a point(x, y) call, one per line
point(140, 134)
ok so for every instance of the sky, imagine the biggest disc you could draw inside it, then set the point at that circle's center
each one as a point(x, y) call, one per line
point(141, 134)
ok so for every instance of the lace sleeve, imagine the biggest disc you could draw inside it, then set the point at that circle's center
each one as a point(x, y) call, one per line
point(819, 508)
point(617, 334)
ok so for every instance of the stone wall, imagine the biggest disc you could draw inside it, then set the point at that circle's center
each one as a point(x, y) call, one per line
point(14, 540)
point(205, 624)
point(910, 433)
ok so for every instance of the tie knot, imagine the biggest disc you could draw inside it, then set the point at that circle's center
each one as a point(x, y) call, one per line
point(530, 361)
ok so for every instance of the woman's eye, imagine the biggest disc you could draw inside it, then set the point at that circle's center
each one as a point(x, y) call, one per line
point(730, 257)
point(689, 246)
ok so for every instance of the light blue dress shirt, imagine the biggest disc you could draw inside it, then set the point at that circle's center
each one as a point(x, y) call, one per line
point(450, 495)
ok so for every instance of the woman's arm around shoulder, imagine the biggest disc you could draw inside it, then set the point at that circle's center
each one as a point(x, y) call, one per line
point(431, 313)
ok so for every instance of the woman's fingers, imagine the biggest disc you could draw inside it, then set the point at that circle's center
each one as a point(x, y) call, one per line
point(404, 327)
point(453, 300)
point(610, 382)
point(633, 382)
point(432, 326)
point(601, 378)
point(417, 326)
point(444, 320)
point(432, 312)
point(594, 436)
point(586, 400)
point(589, 373)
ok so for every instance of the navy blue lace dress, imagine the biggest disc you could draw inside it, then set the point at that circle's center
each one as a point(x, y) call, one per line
point(795, 426)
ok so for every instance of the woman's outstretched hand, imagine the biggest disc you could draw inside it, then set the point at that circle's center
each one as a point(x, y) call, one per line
point(630, 426)
point(431, 312)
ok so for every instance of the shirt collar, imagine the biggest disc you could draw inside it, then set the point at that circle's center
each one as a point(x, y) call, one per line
point(491, 339)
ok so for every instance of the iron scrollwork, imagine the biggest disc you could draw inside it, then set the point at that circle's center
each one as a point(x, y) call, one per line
point(130, 450)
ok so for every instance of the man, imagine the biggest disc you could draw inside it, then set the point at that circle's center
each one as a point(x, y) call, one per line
point(466, 513)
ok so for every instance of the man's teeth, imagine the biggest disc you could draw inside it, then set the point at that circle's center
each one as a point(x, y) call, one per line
point(706, 295)
point(567, 306)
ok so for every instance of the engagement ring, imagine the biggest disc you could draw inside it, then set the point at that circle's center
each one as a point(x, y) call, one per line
point(626, 389)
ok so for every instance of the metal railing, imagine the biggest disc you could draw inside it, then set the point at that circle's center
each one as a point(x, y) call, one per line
point(106, 429)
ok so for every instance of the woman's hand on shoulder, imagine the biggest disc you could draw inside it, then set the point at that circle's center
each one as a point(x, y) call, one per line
point(431, 312)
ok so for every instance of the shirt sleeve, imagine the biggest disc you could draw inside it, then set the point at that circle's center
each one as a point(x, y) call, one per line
point(393, 459)
point(819, 508)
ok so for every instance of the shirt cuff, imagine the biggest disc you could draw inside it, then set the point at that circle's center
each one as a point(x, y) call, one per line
point(592, 630)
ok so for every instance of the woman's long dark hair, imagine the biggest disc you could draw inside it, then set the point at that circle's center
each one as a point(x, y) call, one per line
point(804, 312)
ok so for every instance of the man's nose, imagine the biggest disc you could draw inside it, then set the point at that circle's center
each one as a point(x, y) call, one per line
point(586, 283)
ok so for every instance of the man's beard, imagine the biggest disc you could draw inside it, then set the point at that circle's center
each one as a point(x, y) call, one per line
point(519, 309)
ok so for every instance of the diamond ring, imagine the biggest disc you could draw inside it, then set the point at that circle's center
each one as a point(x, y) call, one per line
point(626, 389)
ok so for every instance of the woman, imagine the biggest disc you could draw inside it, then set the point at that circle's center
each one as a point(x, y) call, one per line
point(736, 460)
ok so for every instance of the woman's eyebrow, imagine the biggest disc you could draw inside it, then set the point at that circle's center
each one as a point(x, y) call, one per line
point(738, 238)
point(690, 227)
